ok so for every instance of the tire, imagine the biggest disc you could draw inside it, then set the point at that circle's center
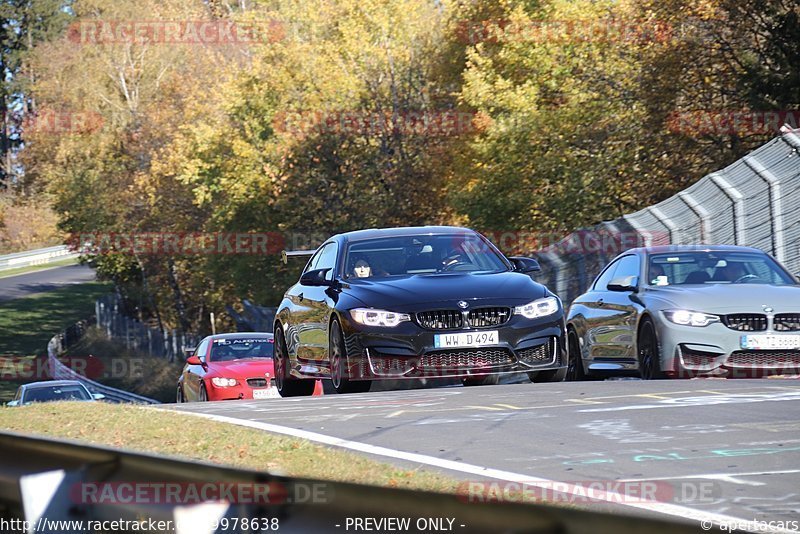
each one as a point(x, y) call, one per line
point(551, 375)
point(287, 386)
point(486, 380)
point(647, 352)
point(575, 372)
point(338, 361)
point(179, 398)
point(203, 393)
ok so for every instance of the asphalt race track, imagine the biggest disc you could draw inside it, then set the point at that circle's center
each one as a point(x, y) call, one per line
point(23, 285)
point(709, 448)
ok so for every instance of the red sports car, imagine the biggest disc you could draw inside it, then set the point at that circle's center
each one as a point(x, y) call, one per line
point(231, 366)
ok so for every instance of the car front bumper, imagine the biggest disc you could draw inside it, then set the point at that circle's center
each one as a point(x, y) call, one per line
point(241, 391)
point(408, 351)
point(717, 351)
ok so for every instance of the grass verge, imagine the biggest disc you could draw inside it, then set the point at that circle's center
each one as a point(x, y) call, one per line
point(174, 434)
point(33, 268)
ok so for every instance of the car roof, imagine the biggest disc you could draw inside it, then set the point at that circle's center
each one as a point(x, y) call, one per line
point(51, 383)
point(230, 335)
point(662, 249)
point(373, 233)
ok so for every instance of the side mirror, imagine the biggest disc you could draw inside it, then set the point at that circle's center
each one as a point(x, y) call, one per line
point(525, 265)
point(98, 396)
point(627, 283)
point(194, 360)
point(12, 403)
point(316, 278)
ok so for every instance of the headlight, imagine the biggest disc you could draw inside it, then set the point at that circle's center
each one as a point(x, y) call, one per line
point(690, 318)
point(224, 382)
point(538, 308)
point(370, 317)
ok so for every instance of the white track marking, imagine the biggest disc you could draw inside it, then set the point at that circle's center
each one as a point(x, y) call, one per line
point(725, 477)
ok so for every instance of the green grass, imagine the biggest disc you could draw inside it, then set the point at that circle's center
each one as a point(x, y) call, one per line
point(28, 323)
point(33, 268)
point(175, 434)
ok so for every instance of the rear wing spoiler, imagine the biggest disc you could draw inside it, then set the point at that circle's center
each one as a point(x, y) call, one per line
point(286, 254)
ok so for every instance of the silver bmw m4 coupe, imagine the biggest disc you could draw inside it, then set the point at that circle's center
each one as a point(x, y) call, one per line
point(685, 311)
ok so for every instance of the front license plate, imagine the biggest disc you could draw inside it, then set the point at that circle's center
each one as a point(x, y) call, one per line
point(269, 393)
point(466, 339)
point(771, 342)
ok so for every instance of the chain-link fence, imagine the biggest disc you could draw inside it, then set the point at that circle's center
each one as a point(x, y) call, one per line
point(169, 344)
point(753, 202)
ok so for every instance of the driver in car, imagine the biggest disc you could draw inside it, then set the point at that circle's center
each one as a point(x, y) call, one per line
point(732, 272)
point(454, 257)
point(362, 269)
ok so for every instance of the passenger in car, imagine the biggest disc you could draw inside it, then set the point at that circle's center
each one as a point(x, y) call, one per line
point(657, 276)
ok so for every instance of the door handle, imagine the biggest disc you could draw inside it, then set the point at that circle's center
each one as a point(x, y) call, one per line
point(600, 302)
point(300, 297)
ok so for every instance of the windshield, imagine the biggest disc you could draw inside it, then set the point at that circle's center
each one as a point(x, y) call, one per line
point(229, 349)
point(686, 268)
point(427, 254)
point(57, 393)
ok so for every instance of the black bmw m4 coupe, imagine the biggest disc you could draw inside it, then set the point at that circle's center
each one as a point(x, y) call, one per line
point(420, 302)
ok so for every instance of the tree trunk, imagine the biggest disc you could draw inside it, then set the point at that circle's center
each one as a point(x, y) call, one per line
point(180, 307)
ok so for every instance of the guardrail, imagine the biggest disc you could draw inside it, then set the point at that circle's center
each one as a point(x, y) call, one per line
point(47, 481)
point(751, 202)
point(40, 256)
point(59, 371)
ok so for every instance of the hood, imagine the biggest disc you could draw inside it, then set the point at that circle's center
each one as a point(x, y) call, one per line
point(728, 298)
point(250, 368)
point(409, 291)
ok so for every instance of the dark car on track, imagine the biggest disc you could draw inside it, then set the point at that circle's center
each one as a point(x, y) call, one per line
point(53, 390)
point(684, 311)
point(404, 303)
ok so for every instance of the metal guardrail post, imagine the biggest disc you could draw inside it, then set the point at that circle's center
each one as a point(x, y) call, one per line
point(737, 200)
point(775, 204)
point(672, 228)
point(701, 212)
